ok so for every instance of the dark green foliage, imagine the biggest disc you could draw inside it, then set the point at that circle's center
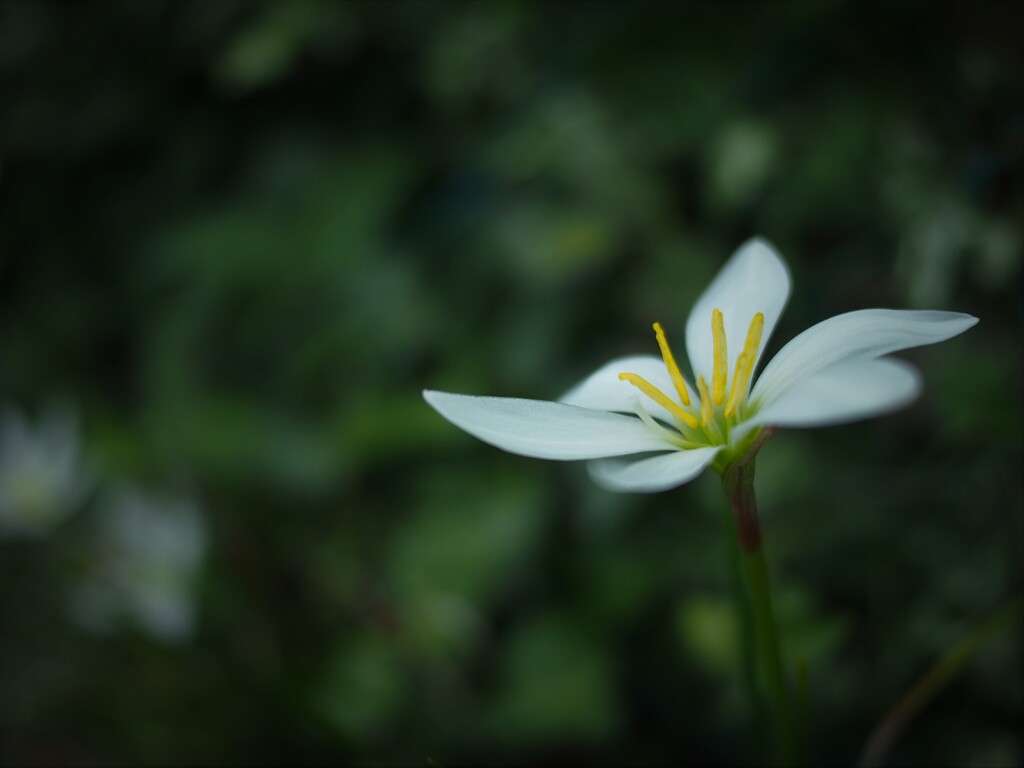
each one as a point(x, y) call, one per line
point(239, 238)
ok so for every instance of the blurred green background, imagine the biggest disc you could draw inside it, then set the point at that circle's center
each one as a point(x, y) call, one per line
point(237, 239)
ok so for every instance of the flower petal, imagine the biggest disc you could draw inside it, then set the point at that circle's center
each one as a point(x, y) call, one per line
point(866, 333)
point(657, 473)
point(849, 391)
point(754, 280)
point(546, 430)
point(603, 390)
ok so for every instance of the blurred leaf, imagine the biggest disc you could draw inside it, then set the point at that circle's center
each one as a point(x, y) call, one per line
point(557, 686)
point(708, 626)
point(267, 46)
point(744, 157)
point(472, 539)
point(242, 442)
point(543, 245)
point(362, 687)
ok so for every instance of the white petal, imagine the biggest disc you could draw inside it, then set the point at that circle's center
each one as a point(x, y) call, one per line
point(657, 473)
point(754, 280)
point(603, 391)
point(852, 390)
point(546, 430)
point(866, 333)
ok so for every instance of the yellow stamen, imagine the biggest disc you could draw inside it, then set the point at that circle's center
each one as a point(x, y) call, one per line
point(660, 398)
point(745, 364)
point(721, 370)
point(705, 401)
point(670, 363)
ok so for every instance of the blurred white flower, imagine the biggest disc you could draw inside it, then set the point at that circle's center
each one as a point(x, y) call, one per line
point(42, 476)
point(146, 568)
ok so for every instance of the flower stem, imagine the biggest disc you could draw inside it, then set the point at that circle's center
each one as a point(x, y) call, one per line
point(747, 650)
point(738, 481)
point(769, 655)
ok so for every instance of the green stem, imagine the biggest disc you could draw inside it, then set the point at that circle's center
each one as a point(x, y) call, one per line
point(768, 652)
point(747, 649)
point(738, 481)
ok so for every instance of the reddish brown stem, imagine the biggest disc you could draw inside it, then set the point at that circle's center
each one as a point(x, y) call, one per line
point(738, 480)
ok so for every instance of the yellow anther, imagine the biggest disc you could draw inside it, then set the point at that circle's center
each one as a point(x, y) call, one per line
point(706, 411)
point(670, 363)
point(745, 364)
point(660, 398)
point(721, 370)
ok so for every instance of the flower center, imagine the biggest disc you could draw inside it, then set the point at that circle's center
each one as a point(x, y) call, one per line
point(709, 420)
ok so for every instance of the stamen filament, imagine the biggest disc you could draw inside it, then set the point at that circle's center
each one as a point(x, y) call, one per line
point(660, 398)
point(706, 412)
point(739, 384)
point(721, 369)
point(670, 363)
point(673, 437)
point(745, 364)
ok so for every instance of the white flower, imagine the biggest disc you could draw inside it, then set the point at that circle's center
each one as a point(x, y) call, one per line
point(831, 373)
point(42, 477)
point(146, 566)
